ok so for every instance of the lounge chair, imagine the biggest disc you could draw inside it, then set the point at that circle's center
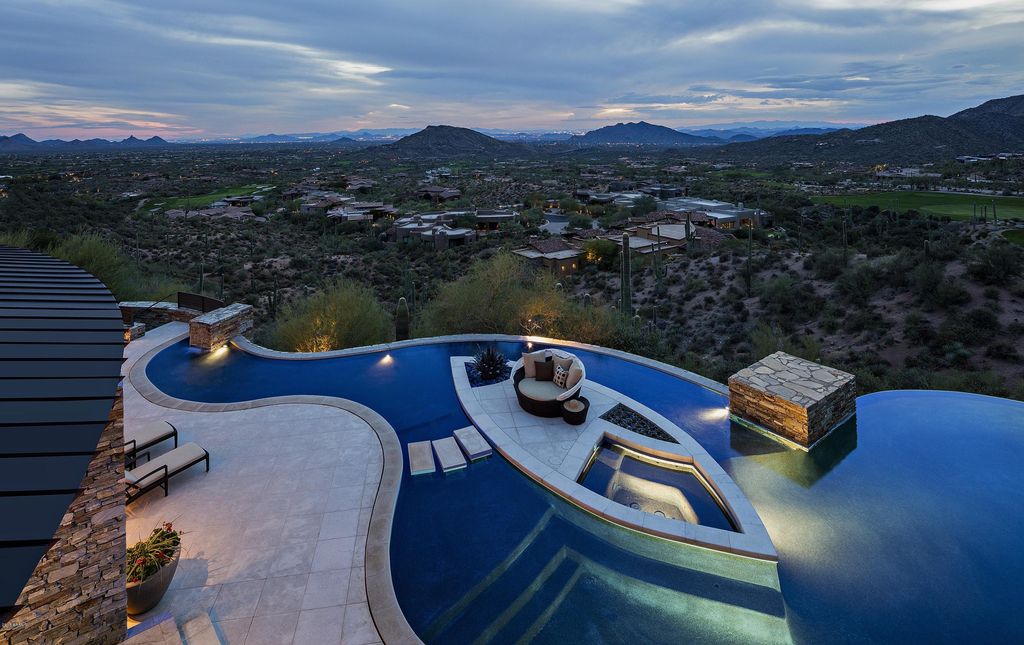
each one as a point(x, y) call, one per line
point(148, 436)
point(156, 473)
point(544, 398)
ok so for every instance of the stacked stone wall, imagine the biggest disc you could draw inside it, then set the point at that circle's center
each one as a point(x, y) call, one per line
point(76, 594)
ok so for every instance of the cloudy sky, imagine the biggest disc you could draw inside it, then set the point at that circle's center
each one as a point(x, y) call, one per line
point(184, 68)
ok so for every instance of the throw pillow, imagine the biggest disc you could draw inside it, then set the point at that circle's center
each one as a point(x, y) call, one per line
point(545, 370)
point(575, 374)
point(529, 360)
point(564, 362)
point(560, 375)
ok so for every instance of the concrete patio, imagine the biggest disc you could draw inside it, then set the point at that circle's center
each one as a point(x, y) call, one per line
point(276, 531)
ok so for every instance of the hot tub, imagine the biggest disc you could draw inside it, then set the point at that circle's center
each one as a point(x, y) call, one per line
point(672, 489)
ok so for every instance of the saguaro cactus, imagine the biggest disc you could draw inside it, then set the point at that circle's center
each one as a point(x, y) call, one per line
point(627, 292)
point(402, 320)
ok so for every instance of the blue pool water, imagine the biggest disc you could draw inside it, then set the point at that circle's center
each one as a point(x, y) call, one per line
point(902, 526)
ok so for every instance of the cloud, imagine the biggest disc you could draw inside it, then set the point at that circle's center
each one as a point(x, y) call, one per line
point(234, 66)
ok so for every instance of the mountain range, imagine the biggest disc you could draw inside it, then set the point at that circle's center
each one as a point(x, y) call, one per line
point(21, 143)
point(995, 126)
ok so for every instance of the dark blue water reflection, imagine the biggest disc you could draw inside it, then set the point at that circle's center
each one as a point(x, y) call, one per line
point(903, 527)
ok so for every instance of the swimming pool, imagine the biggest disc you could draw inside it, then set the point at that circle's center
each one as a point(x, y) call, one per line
point(901, 527)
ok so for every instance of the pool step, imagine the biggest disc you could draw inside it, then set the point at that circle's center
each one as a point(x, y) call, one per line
point(448, 454)
point(421, 458)
point(473, 443)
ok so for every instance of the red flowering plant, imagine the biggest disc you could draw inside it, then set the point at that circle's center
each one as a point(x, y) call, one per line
point(150, 555)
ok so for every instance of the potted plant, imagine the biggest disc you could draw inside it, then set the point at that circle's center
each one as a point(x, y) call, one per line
point(151, 565)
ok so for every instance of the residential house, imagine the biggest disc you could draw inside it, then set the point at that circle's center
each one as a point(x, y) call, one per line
point(555, 254)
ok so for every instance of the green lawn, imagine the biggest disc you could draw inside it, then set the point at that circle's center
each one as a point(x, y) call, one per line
point(953, 205)
point(1016, 236)
point(202, 201)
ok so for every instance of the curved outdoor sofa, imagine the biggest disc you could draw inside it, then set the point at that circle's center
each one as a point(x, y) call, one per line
point(545, 400)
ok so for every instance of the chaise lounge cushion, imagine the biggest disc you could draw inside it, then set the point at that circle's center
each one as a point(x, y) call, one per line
point(176, 460)
point(540, 390)
point(148, 434)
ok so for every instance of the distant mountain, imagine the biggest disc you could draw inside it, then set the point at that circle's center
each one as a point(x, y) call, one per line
point(742, 137)
point(801, 131)
point(450, 141)
point(762, 129)
point(273, 138)
point(17, 143)
point(21, 143)
point(994, 126)
point(347, 142)
point(641, 133)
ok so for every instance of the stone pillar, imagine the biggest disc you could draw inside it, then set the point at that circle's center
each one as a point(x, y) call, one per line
point(796, 399)
point(215, 329)
point(77, 592)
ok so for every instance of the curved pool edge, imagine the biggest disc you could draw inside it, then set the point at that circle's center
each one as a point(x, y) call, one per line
point(250, 347)
point(390, 621)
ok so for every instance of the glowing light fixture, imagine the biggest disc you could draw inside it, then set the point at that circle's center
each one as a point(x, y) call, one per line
point(714, 414)
point(387, 359)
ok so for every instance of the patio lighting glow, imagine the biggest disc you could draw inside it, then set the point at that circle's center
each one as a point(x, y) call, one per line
point(714, 414)
point(387, 359)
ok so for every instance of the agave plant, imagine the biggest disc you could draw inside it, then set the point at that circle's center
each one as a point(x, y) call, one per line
point(490, 364)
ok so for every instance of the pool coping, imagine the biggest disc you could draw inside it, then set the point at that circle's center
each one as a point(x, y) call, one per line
point(247, 345)
point(752, 539)
point(388, 618)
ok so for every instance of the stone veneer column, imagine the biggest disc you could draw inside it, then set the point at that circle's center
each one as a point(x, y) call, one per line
point(215, 329)
point(77, 592)
point(791, 397)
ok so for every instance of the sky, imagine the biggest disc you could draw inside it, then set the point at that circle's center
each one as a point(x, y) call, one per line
point(211, 68)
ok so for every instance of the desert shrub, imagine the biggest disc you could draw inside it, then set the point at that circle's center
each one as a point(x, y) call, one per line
point(997, 263)
point(104, 260)
point(344, 314)
point(950, 292)
point(766, 339)
point(860, 283)
point(786, 297)
point(983, 321)
point(828, 264)
point(917, 328)
point(925, 278)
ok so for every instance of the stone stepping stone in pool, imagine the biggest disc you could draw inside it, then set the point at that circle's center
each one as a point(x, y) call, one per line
point(449, 454)
point(473, 443)
point(421, 458)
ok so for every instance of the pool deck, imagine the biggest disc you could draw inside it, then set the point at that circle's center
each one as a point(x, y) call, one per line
point(554, 454)
point(276, 533)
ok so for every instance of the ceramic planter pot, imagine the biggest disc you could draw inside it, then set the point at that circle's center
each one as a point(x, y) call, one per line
point(143, 596)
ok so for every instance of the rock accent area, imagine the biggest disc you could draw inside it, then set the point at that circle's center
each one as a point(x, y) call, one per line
point(77, 592)
point(794, 398)
point(215, 329)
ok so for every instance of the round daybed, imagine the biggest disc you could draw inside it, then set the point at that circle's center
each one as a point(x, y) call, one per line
point(544, 398)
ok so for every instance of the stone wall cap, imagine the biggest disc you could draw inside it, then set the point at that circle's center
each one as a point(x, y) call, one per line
point(223, 313)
